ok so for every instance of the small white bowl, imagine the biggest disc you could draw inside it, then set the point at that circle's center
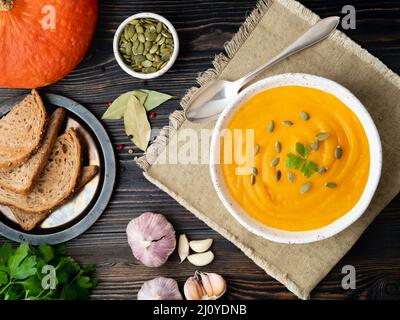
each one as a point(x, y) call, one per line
point(337, 226)
point(128, 69)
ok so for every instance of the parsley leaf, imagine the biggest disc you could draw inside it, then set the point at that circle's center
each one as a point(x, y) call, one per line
point(301, 162)
point(3, 278)
point(22, 274)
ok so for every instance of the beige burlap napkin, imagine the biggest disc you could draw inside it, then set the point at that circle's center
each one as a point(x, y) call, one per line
point(272, 26)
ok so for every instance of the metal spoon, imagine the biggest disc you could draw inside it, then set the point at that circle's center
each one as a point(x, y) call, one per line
point(210, 100)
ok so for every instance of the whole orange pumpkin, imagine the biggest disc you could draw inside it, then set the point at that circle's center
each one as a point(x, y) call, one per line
point(41, 41)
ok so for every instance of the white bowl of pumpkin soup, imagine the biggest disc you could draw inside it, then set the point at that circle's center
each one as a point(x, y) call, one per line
point(296, 158)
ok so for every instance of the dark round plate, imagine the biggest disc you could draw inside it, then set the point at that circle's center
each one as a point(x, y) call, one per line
point(82, 211)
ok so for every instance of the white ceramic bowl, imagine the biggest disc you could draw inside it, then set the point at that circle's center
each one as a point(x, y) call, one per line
point(375, 155)
point(128, 69)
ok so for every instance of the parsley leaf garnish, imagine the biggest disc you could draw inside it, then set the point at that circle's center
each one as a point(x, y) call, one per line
point(22, 275)
point(301, 162)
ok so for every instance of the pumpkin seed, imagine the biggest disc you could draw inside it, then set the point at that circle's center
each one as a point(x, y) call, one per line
point(271, 126)
point(315, 145)
point(291, 177)
point(322, 136)
point(305, 187)
point(254, 171)
point(141, 38)
point(330, 185)
point(159, 27)
point(161, 41)
point(128, 48)
point(146, 37)
point(278, 147)
point(140, 49)
point(256, 149)
point(252, 180)
point(147, 63)
point(304, 116)
point(154, 48)
point(338, 152)
point(275, 162)
point(139, 29)
point(322, 170)
point(288, 123)
point(278, 175)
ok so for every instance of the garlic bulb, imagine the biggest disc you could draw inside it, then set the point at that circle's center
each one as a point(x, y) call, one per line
point(204, 286)
point(151, 238)
point(159, 289)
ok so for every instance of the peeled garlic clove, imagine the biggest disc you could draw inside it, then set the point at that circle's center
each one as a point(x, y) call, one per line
point(193, 289)
point(151, 238)
point(159, 289)
point(218, 284)
point(201, 259)
point(183, 247)
point(200, 246)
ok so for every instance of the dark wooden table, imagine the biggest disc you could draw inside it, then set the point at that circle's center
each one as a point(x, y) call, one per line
point(203, 27)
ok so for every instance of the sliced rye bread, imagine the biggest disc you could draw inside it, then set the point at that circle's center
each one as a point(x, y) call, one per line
point(22, 179)
point(57, 180)
point(21, 131)
point(29, 220)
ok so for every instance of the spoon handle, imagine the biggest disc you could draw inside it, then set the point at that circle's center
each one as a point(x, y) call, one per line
point(315, 34)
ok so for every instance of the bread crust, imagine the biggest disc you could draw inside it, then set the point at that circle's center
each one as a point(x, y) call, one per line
point(25, 153)
point(22, 179)
point(29, 220)
point(35, 202)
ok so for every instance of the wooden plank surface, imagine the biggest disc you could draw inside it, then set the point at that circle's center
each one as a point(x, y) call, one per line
point(203, 27)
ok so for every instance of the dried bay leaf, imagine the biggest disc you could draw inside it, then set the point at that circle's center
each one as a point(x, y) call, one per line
point(136, 123)
point(117, 109)
point(155, 98)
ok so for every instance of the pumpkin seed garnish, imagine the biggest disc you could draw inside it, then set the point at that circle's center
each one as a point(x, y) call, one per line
point(322, 170)
point(315, 145)
point(275, 162)
point(278, 175)
point(256, 149)
point(338, 152)
point(305, 187)
point(254, 171)
point(271, 126)
point(288, 123)
point(291, 177)
point(252, 180)
point(304, 116)
point(278, 147)
point(149, 38)
point(330, 185)
point(322, 136)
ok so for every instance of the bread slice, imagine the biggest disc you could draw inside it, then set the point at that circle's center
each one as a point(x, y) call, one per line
point(21, 179)
point(21, 131)
point(29, 221)
point(57, 180)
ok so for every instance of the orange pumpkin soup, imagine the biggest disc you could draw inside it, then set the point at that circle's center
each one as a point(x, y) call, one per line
point(309, 162)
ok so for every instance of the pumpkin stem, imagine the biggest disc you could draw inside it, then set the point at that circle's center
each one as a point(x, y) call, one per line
point(6, 5)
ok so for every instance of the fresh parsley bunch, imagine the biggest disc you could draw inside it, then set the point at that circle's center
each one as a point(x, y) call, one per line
point(301, 162)
point(23, 273)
